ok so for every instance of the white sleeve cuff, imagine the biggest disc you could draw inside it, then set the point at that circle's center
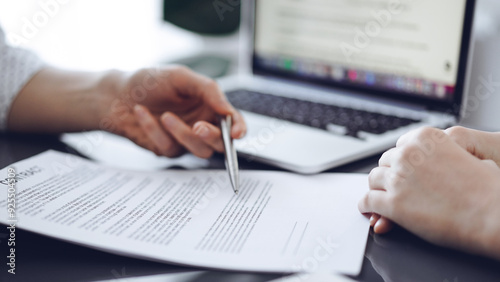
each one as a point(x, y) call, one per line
point(17, 67)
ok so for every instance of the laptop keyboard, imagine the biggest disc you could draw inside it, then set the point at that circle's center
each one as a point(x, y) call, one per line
point(341, 120)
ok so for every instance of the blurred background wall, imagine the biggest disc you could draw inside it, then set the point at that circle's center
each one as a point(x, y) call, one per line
point(483, 106)
point(98, 35)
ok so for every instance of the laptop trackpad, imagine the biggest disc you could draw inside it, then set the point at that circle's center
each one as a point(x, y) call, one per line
point(276, 140)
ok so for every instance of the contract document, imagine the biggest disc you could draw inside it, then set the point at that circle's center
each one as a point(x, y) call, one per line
point(279, 222)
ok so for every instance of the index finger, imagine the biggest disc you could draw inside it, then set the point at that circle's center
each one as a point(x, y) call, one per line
point(193, 84)
point(212, 95)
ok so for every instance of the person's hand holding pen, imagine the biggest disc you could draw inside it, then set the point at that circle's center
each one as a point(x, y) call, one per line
point(168, 111)
point(178, 113)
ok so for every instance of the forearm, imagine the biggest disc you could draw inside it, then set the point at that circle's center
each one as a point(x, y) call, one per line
point(60, 101)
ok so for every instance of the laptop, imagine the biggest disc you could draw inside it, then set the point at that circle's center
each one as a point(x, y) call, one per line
point(331, 82)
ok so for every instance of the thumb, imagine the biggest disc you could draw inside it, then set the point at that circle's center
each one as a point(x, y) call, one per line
point(483, 145)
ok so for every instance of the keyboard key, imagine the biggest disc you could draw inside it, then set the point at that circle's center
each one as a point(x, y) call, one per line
point(340, 120)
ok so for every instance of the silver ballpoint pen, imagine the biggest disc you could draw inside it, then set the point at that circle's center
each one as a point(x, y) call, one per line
point(230, 157)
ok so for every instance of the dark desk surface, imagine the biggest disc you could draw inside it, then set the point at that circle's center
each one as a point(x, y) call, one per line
point(398, 256)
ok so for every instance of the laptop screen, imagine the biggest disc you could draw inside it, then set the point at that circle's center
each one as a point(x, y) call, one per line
point(409, 49)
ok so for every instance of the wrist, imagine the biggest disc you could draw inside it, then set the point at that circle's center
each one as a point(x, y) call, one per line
point(105, 96)
point(489, 236)
point(490, 243)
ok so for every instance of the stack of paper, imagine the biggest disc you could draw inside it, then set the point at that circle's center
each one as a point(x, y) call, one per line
point(279, 222)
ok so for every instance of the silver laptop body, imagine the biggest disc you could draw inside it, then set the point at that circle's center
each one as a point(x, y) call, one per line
point(412, 65)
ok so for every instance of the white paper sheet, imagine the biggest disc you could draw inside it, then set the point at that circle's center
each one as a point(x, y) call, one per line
point(279, 222)
point(120, 152)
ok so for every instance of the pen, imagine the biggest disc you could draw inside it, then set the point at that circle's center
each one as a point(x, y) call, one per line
point(230, 157)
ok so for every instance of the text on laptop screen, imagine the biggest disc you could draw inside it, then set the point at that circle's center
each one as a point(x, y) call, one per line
point(405, 46)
